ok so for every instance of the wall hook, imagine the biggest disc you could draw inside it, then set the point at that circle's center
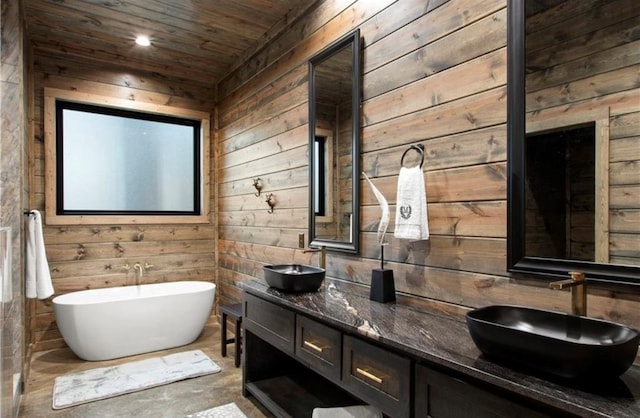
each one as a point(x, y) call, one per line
point(271, 201)
point(258, 185)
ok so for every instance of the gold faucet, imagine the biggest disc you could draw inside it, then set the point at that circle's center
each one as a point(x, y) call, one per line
point(322, 258)
point(138, 267)
point(578, 286)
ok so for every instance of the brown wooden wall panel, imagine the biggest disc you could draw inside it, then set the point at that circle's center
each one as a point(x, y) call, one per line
point(479, 146)
point(625, 149)
point(434, 74)
point(458, 47)
point(625, 125)
point(293, 158)
point(275, 106)
point(109, 79)
point(486, 72)
point(284, 141)
point(241, 192)
point(473, 219)
point(477, 182)
point(115, 233)
point(286, 237)
point(624, 196)
point(287, 197)
point(625, 172)
point(428, 28)
point(622, 220)
point(275, 125)
point(465, 114)
point(306, 37)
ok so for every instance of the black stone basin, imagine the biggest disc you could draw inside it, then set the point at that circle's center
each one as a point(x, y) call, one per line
point(294, 278)
point(553, 343)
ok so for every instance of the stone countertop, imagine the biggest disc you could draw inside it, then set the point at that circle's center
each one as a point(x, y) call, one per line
point(443, 339)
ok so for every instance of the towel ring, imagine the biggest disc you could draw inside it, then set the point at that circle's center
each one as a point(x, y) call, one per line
point(419, 148)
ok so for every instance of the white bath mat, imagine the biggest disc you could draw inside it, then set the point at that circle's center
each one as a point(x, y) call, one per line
point(229, 410)
point(105, 382)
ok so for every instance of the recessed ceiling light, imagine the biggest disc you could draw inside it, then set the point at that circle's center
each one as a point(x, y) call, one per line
point(143, 40)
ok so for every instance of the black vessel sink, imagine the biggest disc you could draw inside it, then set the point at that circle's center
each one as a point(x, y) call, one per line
point(566, 346)
point(295, 278)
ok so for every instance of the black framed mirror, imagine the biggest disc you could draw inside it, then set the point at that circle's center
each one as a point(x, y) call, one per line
point(574, 139)
point(334, 150)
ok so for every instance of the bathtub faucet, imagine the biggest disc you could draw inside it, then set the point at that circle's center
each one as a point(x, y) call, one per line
point(138, 267)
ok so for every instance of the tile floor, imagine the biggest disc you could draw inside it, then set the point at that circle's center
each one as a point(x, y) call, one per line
point(170, 401)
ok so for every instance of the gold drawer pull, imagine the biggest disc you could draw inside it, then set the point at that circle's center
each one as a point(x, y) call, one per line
point(313, 346)
point(369, 375)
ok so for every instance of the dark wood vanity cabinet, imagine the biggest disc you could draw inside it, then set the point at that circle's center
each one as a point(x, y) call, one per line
point(439, 395)
point(317, 365)
point(294, 363)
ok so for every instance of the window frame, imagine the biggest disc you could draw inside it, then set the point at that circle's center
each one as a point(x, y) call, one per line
point(54, 214)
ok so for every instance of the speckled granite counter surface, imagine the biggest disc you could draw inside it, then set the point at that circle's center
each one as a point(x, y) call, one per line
point(439, 338)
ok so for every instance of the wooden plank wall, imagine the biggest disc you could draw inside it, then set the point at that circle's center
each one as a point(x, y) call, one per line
point(87, 257)
point(434, 73)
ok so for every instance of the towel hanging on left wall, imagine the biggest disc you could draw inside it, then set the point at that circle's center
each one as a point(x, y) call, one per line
point(38, 277)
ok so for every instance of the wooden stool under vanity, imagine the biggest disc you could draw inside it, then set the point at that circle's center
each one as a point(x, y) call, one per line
point(234, 311)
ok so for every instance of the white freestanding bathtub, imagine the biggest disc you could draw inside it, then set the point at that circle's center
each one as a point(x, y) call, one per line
point(103, 324)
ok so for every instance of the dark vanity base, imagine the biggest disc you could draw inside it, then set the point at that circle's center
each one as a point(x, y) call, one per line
point(297, 396)
point(284, 386)
point(329, 348)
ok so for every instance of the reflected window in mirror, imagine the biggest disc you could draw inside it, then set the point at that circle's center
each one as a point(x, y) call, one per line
point(574, 139)
point(334, 109)
point(323, 169)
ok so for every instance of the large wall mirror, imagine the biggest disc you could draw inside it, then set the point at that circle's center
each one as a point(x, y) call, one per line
point(334, 121)
point(574, 138)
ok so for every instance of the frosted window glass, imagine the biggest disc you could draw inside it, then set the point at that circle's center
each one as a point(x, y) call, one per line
point(119, 164)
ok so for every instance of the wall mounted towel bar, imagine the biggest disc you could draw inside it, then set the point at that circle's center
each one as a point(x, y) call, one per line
point(419, 148)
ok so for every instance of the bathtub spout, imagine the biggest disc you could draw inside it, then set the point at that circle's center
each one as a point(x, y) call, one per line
point(138, 267)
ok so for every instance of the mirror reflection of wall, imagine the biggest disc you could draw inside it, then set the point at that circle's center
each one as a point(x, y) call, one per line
point(333, 78)
point(334, 142)
point(583, 130)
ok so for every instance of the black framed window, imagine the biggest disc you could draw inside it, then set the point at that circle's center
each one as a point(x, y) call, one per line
point(113, 161)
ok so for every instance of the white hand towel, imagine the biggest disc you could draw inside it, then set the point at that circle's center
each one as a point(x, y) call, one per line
point(411, 205)
point(358, 411)
point(38, 276)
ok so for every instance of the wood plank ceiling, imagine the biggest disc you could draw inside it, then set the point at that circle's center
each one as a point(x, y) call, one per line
point(202, 40)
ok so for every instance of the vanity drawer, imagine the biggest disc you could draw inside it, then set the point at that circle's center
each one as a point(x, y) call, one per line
point(270, 322)
point(378, 376)
point(318, 346)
